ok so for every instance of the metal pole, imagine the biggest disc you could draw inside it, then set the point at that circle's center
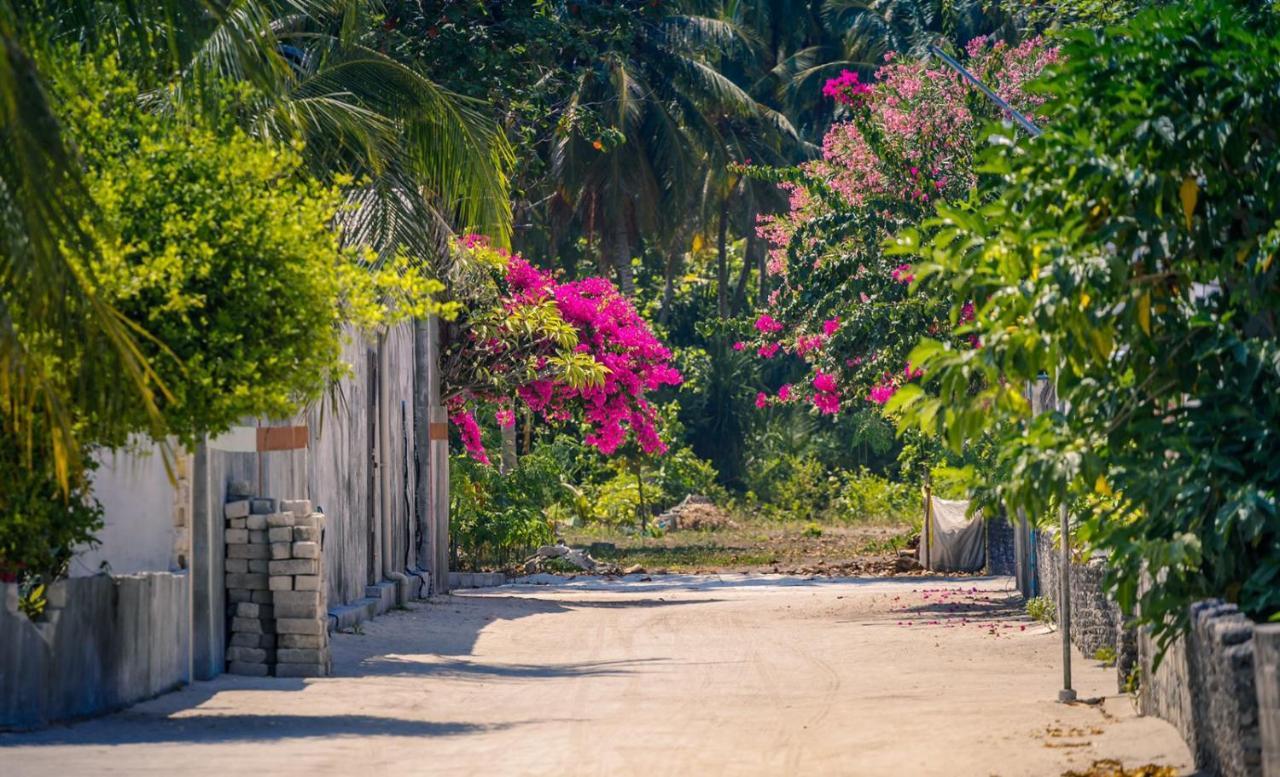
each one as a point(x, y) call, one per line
point(1017, 116)
point(1064, 607)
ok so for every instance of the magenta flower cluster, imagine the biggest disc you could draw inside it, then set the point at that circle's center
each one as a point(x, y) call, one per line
point(614, 335)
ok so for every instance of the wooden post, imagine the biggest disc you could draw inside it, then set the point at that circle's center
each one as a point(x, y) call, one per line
point(431, 431)
point(1266, 673)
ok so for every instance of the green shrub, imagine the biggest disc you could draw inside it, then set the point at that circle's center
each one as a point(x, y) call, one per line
point(496, 518)
point(872, 498)
point(1041, 608)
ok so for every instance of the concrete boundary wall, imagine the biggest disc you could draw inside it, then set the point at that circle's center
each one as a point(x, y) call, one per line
point(1212, 686)
point(102, 643)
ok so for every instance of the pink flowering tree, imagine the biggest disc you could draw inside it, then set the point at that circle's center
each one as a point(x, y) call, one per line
point(558, 351)
point(842, 303)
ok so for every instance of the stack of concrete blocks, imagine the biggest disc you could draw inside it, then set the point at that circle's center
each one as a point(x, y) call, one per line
point(252, 649)
point(275, 593)
point(297, 590)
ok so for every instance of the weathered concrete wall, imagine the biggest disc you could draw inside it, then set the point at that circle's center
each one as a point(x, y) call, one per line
point(1095, 619)
point(103, 643)
point(1206, 687)
point(145, 513)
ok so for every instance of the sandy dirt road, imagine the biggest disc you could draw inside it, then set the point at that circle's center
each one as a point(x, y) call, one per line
point(675, 676)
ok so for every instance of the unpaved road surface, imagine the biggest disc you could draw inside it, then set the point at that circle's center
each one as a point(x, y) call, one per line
point(674, 676)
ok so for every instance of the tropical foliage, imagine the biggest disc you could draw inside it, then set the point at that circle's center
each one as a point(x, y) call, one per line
point(1129, 257)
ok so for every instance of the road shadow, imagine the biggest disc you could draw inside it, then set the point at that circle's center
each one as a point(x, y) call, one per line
point(144, 727)
point(458, 669)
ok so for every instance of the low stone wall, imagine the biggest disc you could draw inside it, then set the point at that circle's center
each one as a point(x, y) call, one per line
point(1095, 619)
point(102, 643)
point(1207, 687)
point(1001, 557)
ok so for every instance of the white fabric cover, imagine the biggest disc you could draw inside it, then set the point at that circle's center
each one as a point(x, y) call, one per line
point(954, 542)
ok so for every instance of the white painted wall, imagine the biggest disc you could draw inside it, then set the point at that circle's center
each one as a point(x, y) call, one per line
point(137, 498)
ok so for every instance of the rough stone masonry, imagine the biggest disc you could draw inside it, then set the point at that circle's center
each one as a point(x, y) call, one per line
point(279, 622)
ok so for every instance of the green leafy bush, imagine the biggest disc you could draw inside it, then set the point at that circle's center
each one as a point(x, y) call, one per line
point(494, 519)
point(867, 497)
point(1041, 608)
point(1130, 256)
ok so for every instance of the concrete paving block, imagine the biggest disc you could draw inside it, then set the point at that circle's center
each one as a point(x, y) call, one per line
point(314, 626)
point(306, 534)
point(237, 536)
point(238, 523)
point(281, 534)
point(247, 655)
point(280, 583)
point(253, 625)
point(301, 670)
point(253, 670)
point(248, 551)
point(256, 523)
point(262, 596)
point(314, 521)
point(258, 565)
point(281, 550)
point(295, 566)
point(276, 520)
point(250, 580)
point(296, 506)
point(259, 537)
point(239, 489)
point(301, 656)
point(237, 565)
point(247, 610)
point(301, 641)
point(306, 550)
point(244, 639)
point(237, 509)
point(311, 598)
point(306, 583)
point(287, 610)
point(263, 506)
point(237, 595)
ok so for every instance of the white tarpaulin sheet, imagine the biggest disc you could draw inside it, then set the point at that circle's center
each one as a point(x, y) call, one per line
point(953, 543)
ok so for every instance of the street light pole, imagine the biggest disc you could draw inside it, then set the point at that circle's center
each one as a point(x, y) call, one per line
point(1067, 694)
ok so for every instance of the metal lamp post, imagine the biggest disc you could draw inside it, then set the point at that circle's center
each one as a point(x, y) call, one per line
point(1067, 694)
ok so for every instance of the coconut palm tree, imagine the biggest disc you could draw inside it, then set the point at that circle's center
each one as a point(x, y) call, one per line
point(661, 99)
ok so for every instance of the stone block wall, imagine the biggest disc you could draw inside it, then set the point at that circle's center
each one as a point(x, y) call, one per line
point(1207, 687)
point(1001, 557)
point(275, 587)
point(1095, 619)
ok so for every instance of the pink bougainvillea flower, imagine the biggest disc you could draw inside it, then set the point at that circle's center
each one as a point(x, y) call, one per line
point(902, 274)
point(784, 392)
point(768, 350)
point(738, 346)
point(470, 432)
point(882, 393)
point(831, 326)
point(824, 382)
point(846, 88)
point(761, 399)
point(911, 373)
point(506, 417)
point(767, 324)
point(827, 404)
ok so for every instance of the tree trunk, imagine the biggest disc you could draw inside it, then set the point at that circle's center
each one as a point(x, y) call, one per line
point(762, 267)
point(722, 261)
point(620, 257)
point(748, 259)
point(672, 269)
point(509, 458)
